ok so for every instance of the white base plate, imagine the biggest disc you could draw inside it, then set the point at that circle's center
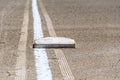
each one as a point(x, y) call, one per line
point(54, 42)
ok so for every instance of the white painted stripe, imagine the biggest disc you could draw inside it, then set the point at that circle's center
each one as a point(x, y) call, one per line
point(42, 66)
point(37, 21)
point(63, 64)
point(21, 52)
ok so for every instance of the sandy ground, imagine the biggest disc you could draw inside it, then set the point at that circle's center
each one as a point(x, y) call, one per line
point(95, 26)
point(11, 19)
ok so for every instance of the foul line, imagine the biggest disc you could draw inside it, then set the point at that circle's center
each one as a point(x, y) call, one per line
point(21, 52)
point(41, 60)
point(63, 64)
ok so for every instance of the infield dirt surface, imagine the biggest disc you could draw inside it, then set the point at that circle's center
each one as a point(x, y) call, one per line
point(93, 24)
